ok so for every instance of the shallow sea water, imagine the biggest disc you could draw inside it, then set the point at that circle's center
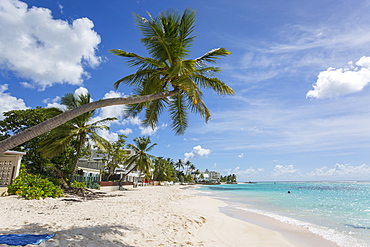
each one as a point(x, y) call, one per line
point(337, 211)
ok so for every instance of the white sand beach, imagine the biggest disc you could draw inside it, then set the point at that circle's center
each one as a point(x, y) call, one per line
point(147, 216)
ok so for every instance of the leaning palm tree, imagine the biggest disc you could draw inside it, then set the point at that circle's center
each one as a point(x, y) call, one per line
point(140, 159)
point(78, 131)
point(166, 79)
point(168, 39)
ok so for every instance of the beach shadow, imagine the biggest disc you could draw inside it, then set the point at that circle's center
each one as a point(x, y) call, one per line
point(78, 236)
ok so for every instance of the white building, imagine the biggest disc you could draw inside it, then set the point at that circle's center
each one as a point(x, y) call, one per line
point(208, 177)
point(96, 163)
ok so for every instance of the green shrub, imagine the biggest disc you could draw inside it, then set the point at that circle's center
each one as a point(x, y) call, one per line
point(32, 186)
point(78, 184)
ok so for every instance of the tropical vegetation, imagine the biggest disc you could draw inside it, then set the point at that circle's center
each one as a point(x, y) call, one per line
point(77, 132)
point(167, 79)
point(54, 140)
point(228, 179)
point(31, 186)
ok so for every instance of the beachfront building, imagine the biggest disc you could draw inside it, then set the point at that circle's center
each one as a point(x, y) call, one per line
point(95, 165)
point(134, 176)
point(208, 177)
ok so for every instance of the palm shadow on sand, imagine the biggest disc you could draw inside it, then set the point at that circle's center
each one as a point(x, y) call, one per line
point(79, 236)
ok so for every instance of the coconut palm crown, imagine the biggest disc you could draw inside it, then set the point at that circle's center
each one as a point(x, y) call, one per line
point(168, 39)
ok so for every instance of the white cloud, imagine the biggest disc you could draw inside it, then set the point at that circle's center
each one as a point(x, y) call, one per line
point(109, 136)
point(54, 103)
point(148, 130)
point(337, 82)
point(197, 152)
point(251, 171)
point(281, 170)
point(27, 85)
point(61, 7)
point(241, 155)
point(126, 131)
point(134, 120)
point(35, 46)
point(113, 111)
point(81, 90)
point(341, 172)
point(9, 102)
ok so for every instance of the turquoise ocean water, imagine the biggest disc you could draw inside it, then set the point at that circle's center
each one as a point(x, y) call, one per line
point(337, 211)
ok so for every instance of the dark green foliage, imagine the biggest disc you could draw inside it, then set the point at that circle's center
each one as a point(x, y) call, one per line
point(114, 156)
point(18, 120)
point(75, 133)
point(163, 170)
point(228, 179)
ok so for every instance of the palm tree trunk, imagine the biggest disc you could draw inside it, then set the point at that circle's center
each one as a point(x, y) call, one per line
point(54, 122)
point(78, 151)
point(123, 177)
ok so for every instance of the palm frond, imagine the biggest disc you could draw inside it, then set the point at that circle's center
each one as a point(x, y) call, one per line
point(69, 100)
point(182, 68)
point(200, 109)
point(99, 141)
point(105, 120)
point(213, 55)
point(187, 28)
point(178, 114)
point(153, 111)
point(154, 33)
point(216, 84)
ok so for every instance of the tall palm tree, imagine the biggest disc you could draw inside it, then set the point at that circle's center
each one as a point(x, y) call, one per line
point(78, 131)
point(187, 165)
point(192, 167)
point(168, 39)
point(166, 79)
point(179, 165)
point(140, 159)
point(163, 169)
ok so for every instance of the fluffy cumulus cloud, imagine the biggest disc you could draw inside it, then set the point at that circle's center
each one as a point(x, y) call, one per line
point(251, 171)
point(148, 131)
point(197, 152)
point(342, 172)
point(81, 90)
point(337, 82)
point(107, 135)
point(284, 171)
point(9, 102)
point(45, 50)
point(151, 131)
point(126, 131)
point(55, 102)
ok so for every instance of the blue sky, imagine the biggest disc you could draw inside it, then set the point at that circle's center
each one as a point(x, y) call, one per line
point(300, 71)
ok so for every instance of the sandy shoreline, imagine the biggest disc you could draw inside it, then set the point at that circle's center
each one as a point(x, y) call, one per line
point(149, 216)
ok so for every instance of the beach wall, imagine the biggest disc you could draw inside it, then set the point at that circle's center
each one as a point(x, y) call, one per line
point(107, 186)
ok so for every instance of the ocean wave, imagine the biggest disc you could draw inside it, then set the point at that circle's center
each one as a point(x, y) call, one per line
point(327, 233)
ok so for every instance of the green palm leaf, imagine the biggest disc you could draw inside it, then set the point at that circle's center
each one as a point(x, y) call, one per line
point(178, 114)
point(168, 39)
